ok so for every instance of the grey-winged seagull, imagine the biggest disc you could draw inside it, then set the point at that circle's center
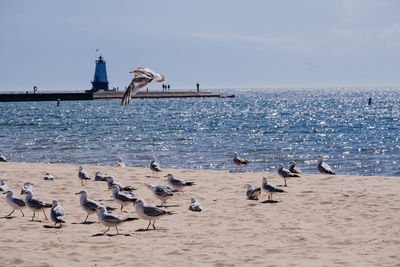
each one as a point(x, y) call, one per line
point(35, 204)
point(149, 212)
point(161, 192)
point(285, 174)
point(238, 161)
point(121, 198)
point(15, 202)
point(111, 182)
point(120, 162)
point(57, 213)
point(177, 183)
point(100, 177)
point(109, 219)
point(194, 205)
point(155, 166)
point(293, 168)
point(253, 193)
point(323, 167)
point(83, 174)
point(142, 77)
point(270, 189)
point(88, 205)
point(27, 186)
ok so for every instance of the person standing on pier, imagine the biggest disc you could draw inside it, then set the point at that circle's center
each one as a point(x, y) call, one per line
point(198, 87)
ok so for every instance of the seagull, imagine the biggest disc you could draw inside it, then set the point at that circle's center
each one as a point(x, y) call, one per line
point(111, 182)
point(48, 176)
point(27, 186)
point(195, 206)
point(270, 189)
point(253, 193)
point(35, 204)
point(120, 162)
point(15, 202)
point(176, 183)
point(82, 174)
point(121, 198)
point(293, 168)
point(142, 77)
point(155, 166)
point(57, 213)
point(100, 177)
point(322, 167)
point(149, 212)
point(161, 192)
point(110, 220)
point(88, 205)
point(2, 158)
point(3, 185)
point(239, 162)
point(285, 173)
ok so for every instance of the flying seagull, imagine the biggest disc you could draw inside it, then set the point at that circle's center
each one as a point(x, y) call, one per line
point(253, 193)
point(322, 167)
point(285, 173)
point(142, 77)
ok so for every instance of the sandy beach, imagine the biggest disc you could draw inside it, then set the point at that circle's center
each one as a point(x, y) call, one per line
point(322, 220)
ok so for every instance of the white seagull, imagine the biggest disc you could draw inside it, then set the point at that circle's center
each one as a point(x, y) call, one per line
point(3, 185)
point(155, 166)
point(57, 213)
point(176, 183)
point(2, 158)
point(270, 189)
point(35, 204)
point(285, 174)
point(149, 212)
point(111, 182)
point(109, 219)
point(253, 193)
point(120, 162)
point(161, 192)
point(88, 205)
point(322, 167)
point(48, 176)
point(121, 198)
point(83, 175)
point(15, 202)
point(238, 161)
point(142, 77)
point(194, 205)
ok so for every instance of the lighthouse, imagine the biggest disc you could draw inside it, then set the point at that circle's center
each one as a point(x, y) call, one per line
point(100, 81)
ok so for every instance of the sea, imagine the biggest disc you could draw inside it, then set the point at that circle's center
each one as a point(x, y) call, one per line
point(265, 126)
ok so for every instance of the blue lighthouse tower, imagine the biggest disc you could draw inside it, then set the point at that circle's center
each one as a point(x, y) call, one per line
point(100, 81)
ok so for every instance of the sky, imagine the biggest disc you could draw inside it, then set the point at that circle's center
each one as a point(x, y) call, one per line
point(220, 44)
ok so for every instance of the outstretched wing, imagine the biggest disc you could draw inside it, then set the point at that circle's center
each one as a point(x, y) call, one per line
point(134, 87)
point(146, 72)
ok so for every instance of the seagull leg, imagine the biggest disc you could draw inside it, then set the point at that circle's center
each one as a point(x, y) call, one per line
point(45, 215)
point(23, 215)
point(33, 216)
point(86, 217)
point(106, 230)
point(10, 213)
point(285, 182)
point(148, 225)
point(117, 230)
point(153, 224)
point(121, 207)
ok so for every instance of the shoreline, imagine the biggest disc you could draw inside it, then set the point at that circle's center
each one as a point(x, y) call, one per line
point(321, 220)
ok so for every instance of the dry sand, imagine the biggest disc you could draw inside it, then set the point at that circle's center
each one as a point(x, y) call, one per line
point(322, 221)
